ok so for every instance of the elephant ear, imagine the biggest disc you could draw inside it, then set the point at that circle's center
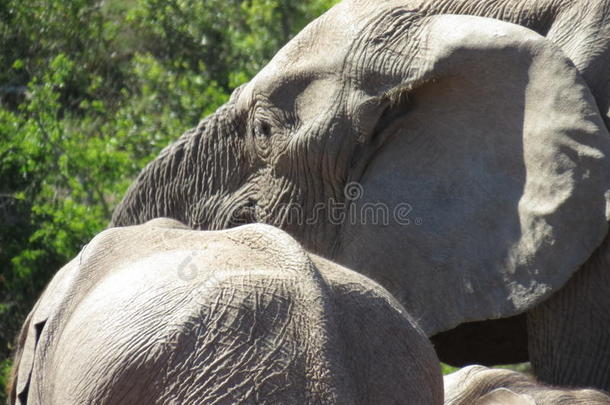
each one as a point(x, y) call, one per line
point(491, 159)
point(48, 305)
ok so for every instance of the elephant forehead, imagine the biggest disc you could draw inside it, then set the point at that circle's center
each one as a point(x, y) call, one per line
point(345, 46)
point(320, 50)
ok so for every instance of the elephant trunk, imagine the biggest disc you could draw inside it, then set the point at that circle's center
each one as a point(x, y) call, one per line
point(189, 178)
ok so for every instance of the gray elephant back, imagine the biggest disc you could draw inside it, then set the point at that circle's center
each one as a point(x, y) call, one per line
point(158, 313)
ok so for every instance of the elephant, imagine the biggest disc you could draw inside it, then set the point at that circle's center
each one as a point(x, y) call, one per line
point(455, 151)
point(159, 313)
point(478, 385)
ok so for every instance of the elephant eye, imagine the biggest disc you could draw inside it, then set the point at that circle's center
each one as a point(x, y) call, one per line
point(262, 134)
point(262, 129)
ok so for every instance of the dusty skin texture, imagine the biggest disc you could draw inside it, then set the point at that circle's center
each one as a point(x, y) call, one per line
point(490, 132)
point(486, 129)
point(161, 314)
point(478, 385)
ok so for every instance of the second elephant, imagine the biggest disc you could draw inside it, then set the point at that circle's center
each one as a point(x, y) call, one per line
point(160, 314)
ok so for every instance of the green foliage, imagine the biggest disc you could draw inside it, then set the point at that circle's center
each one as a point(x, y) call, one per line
point(241, 35)
point(89, 93)
point(36, 31)
point(5, 372)
point(447, 369)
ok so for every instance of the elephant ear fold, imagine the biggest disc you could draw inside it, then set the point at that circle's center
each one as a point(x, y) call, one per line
point(494, 167)
point(503, 396)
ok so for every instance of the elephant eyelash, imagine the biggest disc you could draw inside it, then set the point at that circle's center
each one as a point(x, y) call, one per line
point(399, 94)
point(262, 128)
point(276, 121)
point(266, 116)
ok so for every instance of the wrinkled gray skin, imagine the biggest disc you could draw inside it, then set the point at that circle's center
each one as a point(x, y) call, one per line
point(478, 385)
point(488, 135)
point(160, 314)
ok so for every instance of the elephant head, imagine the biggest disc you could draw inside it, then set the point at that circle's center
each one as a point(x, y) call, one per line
point(477, 151)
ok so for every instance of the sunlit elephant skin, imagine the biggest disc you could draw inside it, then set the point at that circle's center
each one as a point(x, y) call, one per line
point(490, 132)
point(477, 385)
point(161, 314)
